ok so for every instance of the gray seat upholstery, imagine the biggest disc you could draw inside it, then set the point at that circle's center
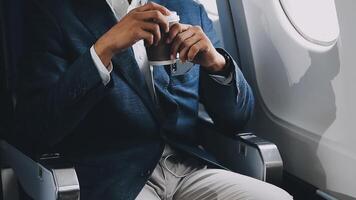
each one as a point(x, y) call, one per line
point(244, 153)
point(45, 179)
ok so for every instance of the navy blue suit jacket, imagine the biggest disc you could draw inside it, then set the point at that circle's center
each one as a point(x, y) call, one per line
point(115, 134)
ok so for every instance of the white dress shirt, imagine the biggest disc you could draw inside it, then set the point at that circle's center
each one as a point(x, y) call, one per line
point(120, 8)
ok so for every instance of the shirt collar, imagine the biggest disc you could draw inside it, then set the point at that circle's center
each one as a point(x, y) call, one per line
point(121, 7)
point(134, 4)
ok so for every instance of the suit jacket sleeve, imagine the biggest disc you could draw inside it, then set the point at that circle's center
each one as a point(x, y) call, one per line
point(56, 90)
point(230, 106)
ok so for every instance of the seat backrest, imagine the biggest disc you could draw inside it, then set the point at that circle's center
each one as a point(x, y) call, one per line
point(219, 12)
point(11, 20)
point(5, 106)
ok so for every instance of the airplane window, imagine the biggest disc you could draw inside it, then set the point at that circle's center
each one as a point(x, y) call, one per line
point(322, 29)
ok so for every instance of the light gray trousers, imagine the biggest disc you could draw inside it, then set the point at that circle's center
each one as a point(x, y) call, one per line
point(177, 177)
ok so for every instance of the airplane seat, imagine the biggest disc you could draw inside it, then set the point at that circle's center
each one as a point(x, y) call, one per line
point(40, 175)
point(245, 153)
point(47, 176)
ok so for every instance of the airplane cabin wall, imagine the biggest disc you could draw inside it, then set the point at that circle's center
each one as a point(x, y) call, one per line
point(305, 94)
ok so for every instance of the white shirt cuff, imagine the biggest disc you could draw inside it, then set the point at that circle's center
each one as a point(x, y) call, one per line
point(104, 72)
point(222, 79)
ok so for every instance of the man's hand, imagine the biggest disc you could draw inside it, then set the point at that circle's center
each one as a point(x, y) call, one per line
point(144, 22)
point(193, 45)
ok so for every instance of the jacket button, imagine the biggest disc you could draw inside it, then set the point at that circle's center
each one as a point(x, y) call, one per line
point(148, 172)
point(143, 173)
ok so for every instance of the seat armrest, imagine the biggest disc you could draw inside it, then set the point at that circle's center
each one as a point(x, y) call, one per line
point(244, 153)
point(44, 179)
point(259, 158)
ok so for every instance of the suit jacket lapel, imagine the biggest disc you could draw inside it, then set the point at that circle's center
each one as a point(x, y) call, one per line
point(98, 18)
point(126, 65)
point(96, 15)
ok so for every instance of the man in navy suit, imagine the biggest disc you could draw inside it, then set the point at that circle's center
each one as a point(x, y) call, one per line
point(84, 91)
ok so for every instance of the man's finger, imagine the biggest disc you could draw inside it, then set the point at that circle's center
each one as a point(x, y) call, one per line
point(157, 17)
point(147, 36)
point(154, 6)
point(175, 30)
point(154, 29)
point(179, 39)
point(194, 50)
point(186, 45)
